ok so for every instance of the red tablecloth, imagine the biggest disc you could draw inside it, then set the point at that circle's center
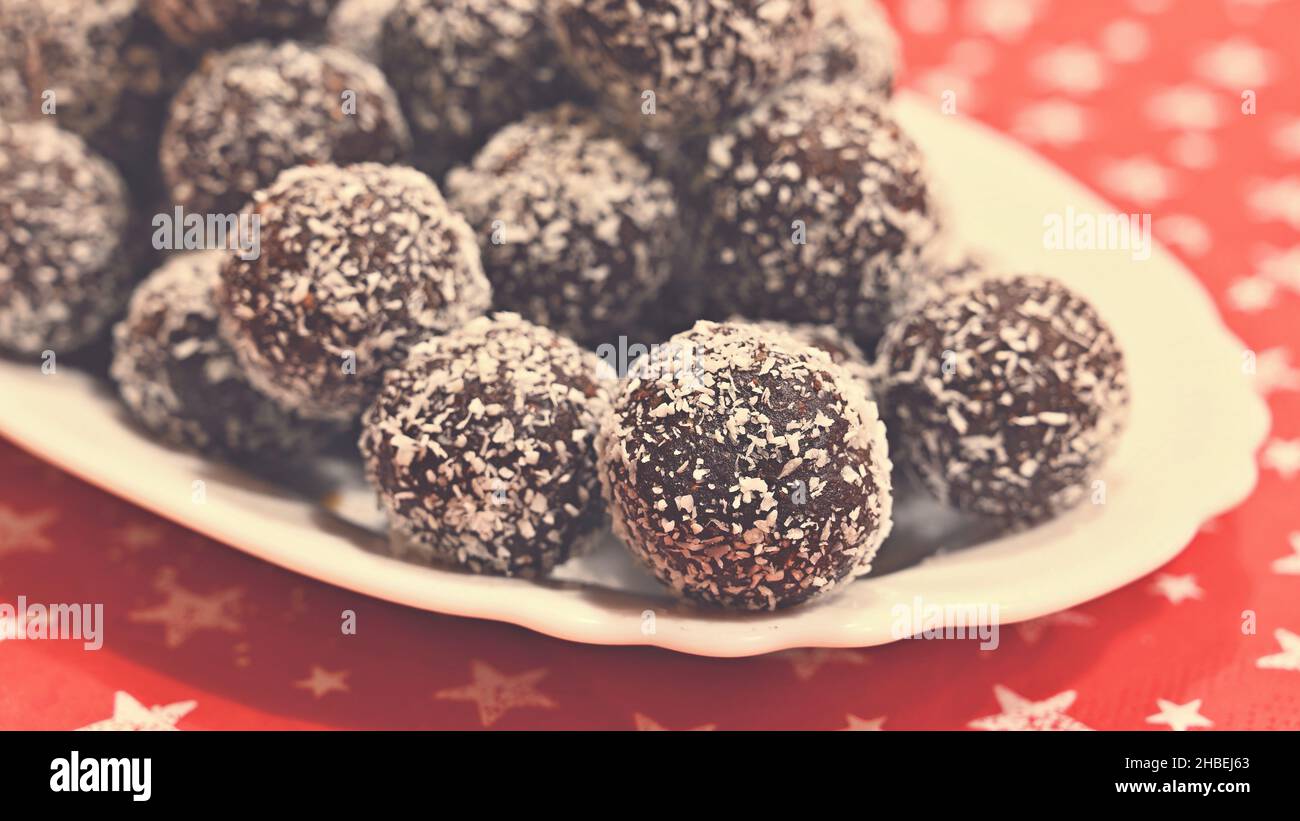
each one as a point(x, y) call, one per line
point(1142, 99)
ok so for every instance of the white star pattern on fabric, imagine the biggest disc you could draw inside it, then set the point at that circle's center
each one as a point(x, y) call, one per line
point(185, 612)
point(1125, 41)
point(1179, 716)
point(1236, 64)
point(1177, 588)
point(1185, 107)
point(1185, 232)
point(1286, 139)
point(1052, 122)
point(1281, 265)
point(646, 724)
point(864, 724)
point(1290, 565)
point(1139, 179)
point(1019, 713)
point(25, 531)
point(925, 16)
point(1273, 372)
point(1193, 150)
point(806, 662)
point(1031, 631)
point(1008, 20)
point(130, 714)
point(322, 682)
point(1288, 659)
point(1277, 200)
point(1073, 68)
point(1251, 294)
point(1283, 456)
point(496, 694)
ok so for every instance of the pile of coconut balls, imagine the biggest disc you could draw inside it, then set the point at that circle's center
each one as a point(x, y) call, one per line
point(465, 205)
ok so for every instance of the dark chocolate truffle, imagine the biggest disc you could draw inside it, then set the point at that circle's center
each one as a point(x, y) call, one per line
point(819, 210)
point(575, 233)
point(68, 48)
point(842, 350)
point(357, 264)
point(358, 26)
point(704, 61)
point(1004, 398)
point(465, 68)
point(208, 24)
point(181, 381)
point(851, 39)
point(64, 267)
point(252, 112)
point(481, 447)
point(746, 470)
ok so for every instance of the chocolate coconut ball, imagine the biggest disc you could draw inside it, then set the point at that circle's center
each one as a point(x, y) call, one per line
point(481, 447)
point(819, 210)
point(357, 264)
point(704, 61)
point(465, 68)
point(1005, 398)
point(60, 57)
point(254, 111)
point(204, 24)
point(746, 470)
point(64, 267)
point(181, 381)
point(851, 39)
point(842, 350)
point(575, 233)
point(358, 26)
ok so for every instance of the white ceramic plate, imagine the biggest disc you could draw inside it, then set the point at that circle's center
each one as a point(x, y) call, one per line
point(1188, 454)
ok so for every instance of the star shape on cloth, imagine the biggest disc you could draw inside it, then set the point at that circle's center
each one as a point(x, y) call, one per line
point(496, 694)
point(807, 661)
point(861, 724)
point(1141, 180)
point(1276, 201)
point(1282, 455)
point(1290, 565)
point(645, 723)
point(1235, 64)
point(1177, 588)
point(1179, 716)
point(1019, 713)
point(1031, 631)
point(25, 531)
point(130, 714)
point(1274, 372)
point(1251, 294)
point(321, 681)
point(1288, 659)
point(1281, 266)
point(185, 612)
point(1286, 138)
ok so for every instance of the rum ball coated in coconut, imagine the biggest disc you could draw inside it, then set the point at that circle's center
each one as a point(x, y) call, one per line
point(481, 447)
point(820, 210)
point(575, 232)
point(59, 57)
point(65, 269)
point(745, 469)
point(465, 68)
point(204, 24)
point(357, 264)
point(851, 39)
point(1005, 398)
point(181, 381)
point(249, 113)
point(682, 66)
point(358, 26)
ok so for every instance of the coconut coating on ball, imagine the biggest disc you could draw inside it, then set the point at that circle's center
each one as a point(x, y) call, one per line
point(820, 210)
point(208, 24)
point(851, 39)
point(256, 110)
point(465, 68)
point(358, 26)
point(575, 232)
point(842, 350)
point(481, 447)
point(69, 48)
point(180, 380)
point(1005, 398)
point(704, 60)
point(746, 470)
point(64, 267)
point(357, 264)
